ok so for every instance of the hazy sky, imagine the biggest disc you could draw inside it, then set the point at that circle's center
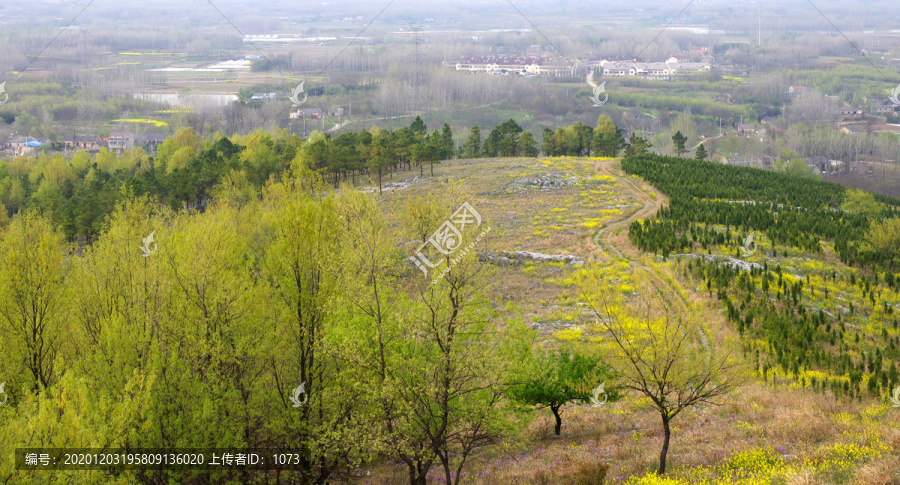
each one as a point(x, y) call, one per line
point(284, 15)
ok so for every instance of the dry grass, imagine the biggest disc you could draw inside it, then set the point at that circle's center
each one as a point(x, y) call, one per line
point(623, 440)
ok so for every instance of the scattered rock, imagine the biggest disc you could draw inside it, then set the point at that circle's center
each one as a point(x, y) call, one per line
point(543, 258)
point(826, 312)
point(726, 261)
point(544, 183)
point(741, 264)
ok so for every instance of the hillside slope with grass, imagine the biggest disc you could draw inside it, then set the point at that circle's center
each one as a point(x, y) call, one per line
point(805, 315)
point(504, 321)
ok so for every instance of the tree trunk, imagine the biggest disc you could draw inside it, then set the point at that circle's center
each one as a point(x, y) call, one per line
point(555, 410)
point(432, 169)
point(665, 447)
point(416, 477)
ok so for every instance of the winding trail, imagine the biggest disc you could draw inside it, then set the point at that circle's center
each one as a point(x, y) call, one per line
point(650, 207)
point(604, 238)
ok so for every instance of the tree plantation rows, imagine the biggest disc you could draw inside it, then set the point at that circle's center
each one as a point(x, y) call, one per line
point(806, 318)
point(784, 323)
point(792, 211)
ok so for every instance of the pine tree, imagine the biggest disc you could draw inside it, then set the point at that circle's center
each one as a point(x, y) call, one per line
point(636, 145)
point(527, 145)
point(418, 126)
point(473, 144)
point(701, 153)
point(679, 140)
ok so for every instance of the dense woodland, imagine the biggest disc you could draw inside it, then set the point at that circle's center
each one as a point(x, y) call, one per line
point(200, 342)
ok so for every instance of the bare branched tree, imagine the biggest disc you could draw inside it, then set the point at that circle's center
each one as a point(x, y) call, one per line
point(662, 355)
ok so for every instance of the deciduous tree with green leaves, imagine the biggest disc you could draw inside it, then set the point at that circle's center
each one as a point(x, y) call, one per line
point(883, 239)
point(860, 201)
point(791, 163)
point(32, 299)
point(555, 378)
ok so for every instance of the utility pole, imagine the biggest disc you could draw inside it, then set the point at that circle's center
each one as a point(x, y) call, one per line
point(759, 27)
point(417, 79)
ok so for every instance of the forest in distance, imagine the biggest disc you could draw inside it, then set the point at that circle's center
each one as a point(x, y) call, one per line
point(189, 172)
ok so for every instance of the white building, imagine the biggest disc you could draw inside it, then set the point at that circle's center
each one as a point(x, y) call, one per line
point(516, 65)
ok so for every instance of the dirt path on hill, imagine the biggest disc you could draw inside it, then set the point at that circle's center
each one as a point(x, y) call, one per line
point(603, 238)
point(606, 237)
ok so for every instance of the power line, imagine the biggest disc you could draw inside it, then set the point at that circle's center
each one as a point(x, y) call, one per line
point(418, 78)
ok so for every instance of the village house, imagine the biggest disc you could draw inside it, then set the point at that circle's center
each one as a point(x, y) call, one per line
point(746, 129)
point(22, 145)
point(88, 143)
point(884, 109)
point(654, 69)
point(119, 141)
point(618, 68)
point(519, 65)
point(307, 114)
point(672, 66)
point(149, 141)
